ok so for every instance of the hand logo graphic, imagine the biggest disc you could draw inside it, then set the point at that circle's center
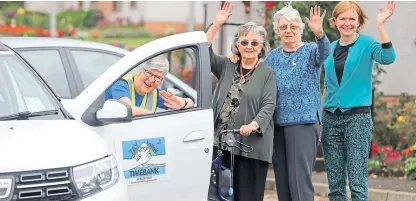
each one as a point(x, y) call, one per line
point(142, 156)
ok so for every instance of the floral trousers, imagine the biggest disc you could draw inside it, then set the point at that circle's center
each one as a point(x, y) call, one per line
point(346, 143)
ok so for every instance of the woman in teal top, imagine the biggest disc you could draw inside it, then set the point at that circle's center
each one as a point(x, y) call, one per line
point(347, 122)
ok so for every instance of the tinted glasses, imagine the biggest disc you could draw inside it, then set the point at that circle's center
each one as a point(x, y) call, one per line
point(245, 43)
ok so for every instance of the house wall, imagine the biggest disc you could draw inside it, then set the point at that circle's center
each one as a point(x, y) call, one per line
point(160, 17)
point(239, 17)
point(400, 77)
point(47, 6)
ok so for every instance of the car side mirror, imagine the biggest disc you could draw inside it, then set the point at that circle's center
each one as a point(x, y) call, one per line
point(115, 111)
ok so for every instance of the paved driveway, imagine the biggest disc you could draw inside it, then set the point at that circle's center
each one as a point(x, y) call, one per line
point(271, 195)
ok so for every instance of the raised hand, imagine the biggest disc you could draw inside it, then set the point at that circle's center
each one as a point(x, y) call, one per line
point(384, 15)
point(315, 20)
point(171, 101)
point(223, 13)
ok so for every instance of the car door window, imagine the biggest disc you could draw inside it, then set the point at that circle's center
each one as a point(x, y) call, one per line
point(92, 64)
point(179, 82)
point(182, 65)
point(49, 65)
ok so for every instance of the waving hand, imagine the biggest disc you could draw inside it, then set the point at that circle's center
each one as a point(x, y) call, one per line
point(223, 13)
point(315, 21)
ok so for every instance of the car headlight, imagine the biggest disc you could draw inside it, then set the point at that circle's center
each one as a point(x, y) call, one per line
point(97, 176)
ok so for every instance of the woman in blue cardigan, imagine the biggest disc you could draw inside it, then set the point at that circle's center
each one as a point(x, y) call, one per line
point(347, 122)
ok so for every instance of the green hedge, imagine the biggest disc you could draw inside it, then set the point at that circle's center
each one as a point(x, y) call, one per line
point(124, 32)
point(78, 18)
point(33, 19)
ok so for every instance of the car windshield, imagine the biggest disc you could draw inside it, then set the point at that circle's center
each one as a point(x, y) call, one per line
point(21, 92)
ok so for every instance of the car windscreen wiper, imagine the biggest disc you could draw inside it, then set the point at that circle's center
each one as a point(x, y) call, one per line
point(25, 114)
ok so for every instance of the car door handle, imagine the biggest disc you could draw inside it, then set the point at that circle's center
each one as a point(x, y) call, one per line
point(194, 136)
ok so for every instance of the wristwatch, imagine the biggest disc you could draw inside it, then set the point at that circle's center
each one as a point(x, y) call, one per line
point(186, 103)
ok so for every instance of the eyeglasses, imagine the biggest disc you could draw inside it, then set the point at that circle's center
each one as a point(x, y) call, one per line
point(149, 74)
point(246, 42)
point(292, 27)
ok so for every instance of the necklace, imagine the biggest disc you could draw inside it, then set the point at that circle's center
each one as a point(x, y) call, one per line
point(345, 44)
point(290, 56)
point(242, 78)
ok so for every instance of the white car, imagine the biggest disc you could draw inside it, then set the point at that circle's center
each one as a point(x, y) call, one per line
point(163, 156)
point(72, 65)
point(45, 154)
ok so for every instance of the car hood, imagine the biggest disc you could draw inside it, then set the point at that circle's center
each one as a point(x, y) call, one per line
point(45, 144)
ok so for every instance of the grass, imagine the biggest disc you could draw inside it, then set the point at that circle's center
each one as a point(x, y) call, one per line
point(128, 42)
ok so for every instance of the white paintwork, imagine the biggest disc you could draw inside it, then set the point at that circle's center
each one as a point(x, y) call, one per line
point(66, 143)
point(111, 110)
point(90, 94)
point(31, 145)
point(42, 42)
point(188, 143)
point(50, 42)
point(188, 166)
point(40, 144)
point(68, 104)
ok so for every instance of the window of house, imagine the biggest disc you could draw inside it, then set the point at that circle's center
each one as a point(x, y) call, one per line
point(80, 4)
point(117, 6)
point(94, 4)
point(133, 4)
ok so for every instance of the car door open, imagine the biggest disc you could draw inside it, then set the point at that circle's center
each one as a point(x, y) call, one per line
point(165, 155)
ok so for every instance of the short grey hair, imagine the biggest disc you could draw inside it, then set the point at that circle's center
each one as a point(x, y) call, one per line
point(248, 28)
point(159, 63)
point(289, 13)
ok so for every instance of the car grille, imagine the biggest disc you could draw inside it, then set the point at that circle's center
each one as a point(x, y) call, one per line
point(44, 185)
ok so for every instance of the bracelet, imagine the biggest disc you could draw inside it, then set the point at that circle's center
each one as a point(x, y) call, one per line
point(256, 124)
point(186, 103)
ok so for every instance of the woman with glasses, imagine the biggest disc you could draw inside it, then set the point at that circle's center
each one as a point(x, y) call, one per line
point(297, 130)
point(140, 90)
point(297, 125)
point(245, 99)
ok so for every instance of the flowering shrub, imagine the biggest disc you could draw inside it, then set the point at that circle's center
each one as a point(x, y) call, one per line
point(389, 160)
point(26, 31)
point(21, 22)
point(186, 73)
point(410, 168)
point(394, 146)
